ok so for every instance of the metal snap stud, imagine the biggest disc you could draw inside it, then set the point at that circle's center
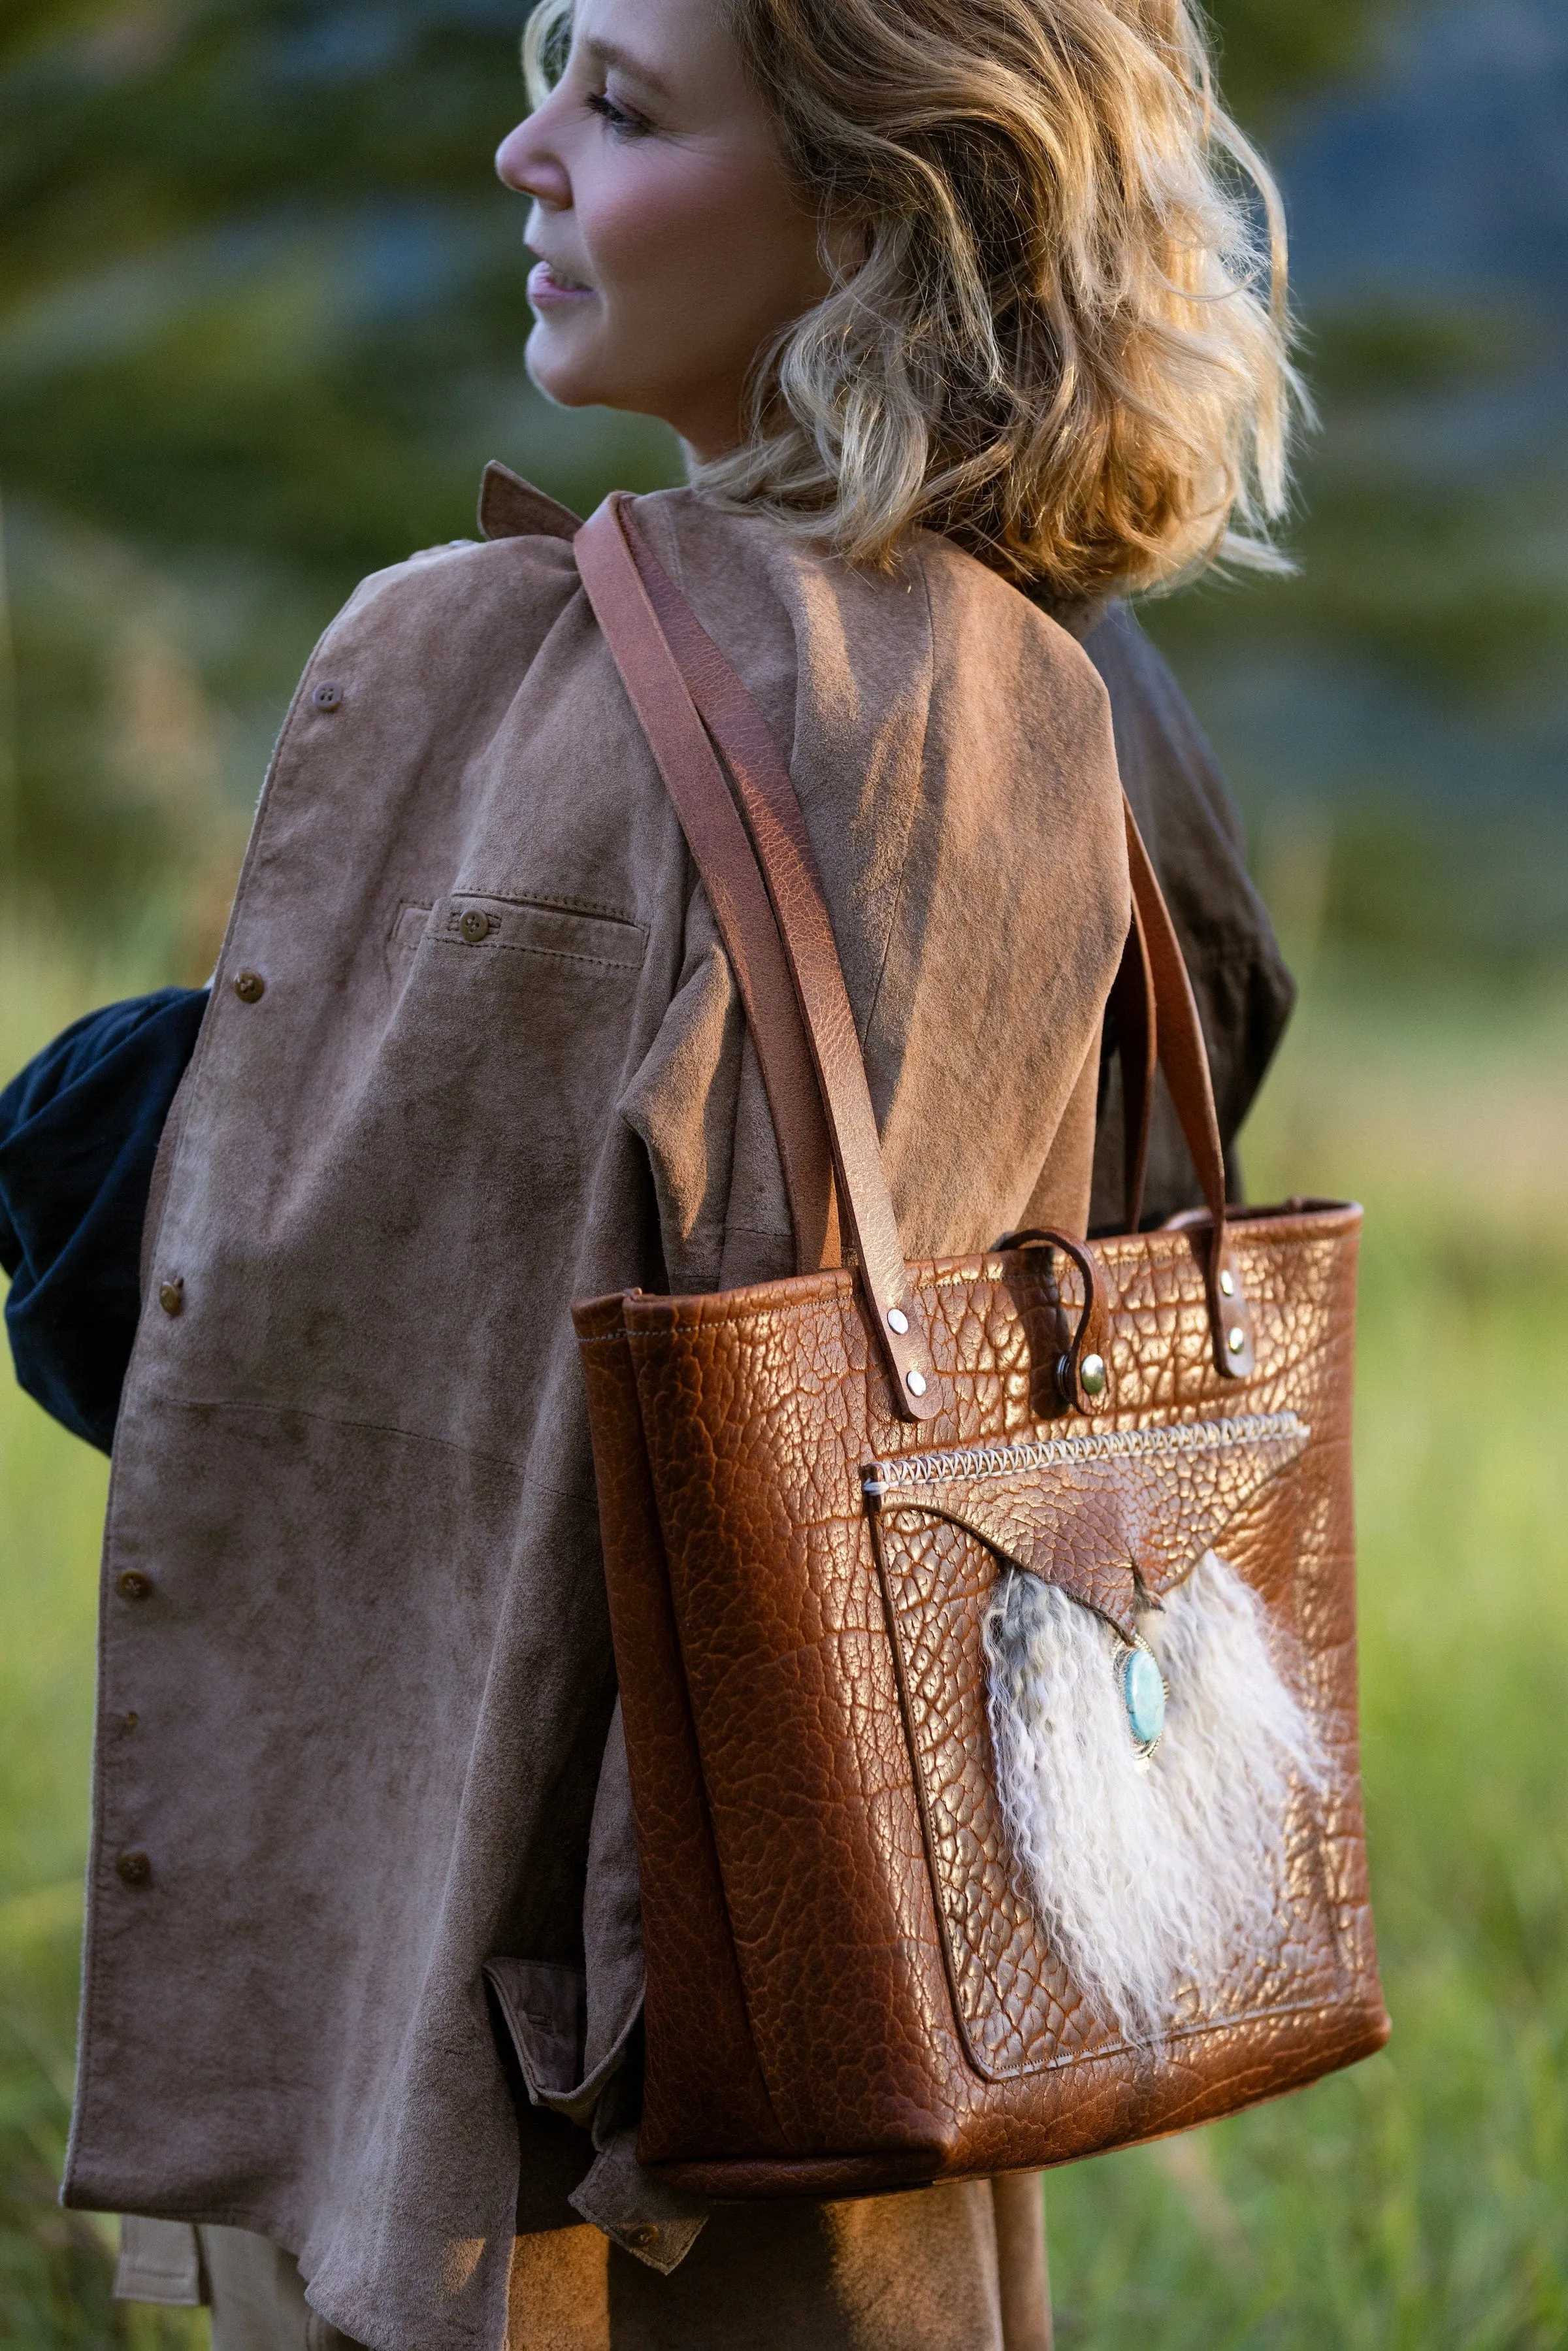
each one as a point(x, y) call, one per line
point(474, 925)
point(1236, 1339)
point(249, 987)
point(1226, 1282)
point(1093, 1375)
point(915, 1383)
point(897, 1320)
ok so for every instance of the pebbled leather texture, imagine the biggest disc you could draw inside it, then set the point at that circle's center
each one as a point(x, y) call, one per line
point(899, 2002)
point(714, 2090)
point(1082, 1524)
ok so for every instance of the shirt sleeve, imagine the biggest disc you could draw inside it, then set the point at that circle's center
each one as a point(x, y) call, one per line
point(80, 1129)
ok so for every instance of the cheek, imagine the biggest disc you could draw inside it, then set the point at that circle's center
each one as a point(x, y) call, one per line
point(695, 249)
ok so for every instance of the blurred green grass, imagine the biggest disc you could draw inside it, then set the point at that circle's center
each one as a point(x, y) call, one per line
point(55, 2267)
point(1421, 2200)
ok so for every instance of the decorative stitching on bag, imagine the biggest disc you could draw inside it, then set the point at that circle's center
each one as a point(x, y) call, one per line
point(1048, 1453)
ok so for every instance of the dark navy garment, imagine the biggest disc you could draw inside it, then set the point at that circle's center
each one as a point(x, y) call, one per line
point(79, 1133)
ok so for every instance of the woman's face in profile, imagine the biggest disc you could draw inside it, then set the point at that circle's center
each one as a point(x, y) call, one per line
point(671, 244)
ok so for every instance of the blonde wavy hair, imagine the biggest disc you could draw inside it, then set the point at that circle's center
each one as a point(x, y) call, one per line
point(1064, 344)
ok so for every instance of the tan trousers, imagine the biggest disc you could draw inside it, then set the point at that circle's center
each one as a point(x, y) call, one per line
point(958, 2268)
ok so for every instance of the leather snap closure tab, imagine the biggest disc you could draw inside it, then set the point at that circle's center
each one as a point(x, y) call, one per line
point(249, 987)
point(133, 1584)
point(172, 1295)
point(134, 1868)
point(327, 696)
point(474, 926)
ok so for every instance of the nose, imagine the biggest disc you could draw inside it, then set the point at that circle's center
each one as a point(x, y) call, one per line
point(526, 160)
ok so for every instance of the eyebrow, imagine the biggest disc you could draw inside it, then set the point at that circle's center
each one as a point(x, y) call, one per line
point(609, 53)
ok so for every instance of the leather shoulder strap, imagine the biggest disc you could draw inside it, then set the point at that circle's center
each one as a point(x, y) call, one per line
point(1183, 1058)
point(631, 595)
point(1137, 1048)
point(778, 827)
point(689, 700)
point(725, 859)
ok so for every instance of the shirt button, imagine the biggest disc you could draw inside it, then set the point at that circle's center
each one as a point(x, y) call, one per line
point(475, 926)
point(172, 1295)
point(249, 987)
point(134, 1586)
point(134, 1868)
point(646, 2238)
point(327, 696)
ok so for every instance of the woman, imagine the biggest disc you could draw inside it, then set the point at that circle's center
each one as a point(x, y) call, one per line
point(955, 317)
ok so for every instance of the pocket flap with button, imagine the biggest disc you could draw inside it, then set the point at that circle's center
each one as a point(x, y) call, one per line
point(590, 938)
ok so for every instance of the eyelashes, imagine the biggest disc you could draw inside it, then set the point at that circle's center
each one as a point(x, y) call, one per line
point(620, 124)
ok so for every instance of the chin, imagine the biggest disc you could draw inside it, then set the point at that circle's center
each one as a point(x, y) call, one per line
point(560, 373)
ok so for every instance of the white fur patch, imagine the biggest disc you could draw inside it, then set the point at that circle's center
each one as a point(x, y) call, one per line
point(1150, 1877)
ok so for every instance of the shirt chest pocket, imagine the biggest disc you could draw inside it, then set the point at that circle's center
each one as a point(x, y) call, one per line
point(585, 942)
point(511, 1024)
point(502, 1059)
point(594, 941)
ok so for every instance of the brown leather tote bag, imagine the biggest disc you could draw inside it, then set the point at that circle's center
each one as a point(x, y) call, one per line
point(985, 1629)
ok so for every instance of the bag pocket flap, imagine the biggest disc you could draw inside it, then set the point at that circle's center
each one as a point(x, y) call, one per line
point(1098, 1515)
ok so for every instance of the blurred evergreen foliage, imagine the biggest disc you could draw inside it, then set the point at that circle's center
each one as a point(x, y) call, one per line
point(260, 288)
point(262, 314)
point(1395, 715)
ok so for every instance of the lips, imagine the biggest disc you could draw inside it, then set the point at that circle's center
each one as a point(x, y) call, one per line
point(550, 283)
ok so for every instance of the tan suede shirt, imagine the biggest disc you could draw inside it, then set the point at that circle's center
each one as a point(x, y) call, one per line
point(474, 1051)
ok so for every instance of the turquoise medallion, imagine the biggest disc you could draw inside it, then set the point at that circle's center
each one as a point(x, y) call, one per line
point(1144, 1695)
